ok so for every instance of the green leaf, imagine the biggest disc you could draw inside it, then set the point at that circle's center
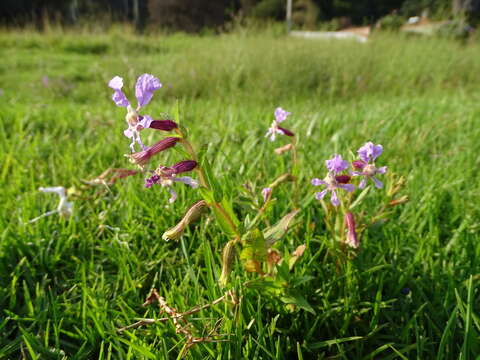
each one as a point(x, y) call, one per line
point(275, 232)
point(223, 222)
point(300, 301)
point(254, 251)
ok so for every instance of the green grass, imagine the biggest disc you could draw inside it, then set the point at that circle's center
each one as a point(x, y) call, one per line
point(66, 286)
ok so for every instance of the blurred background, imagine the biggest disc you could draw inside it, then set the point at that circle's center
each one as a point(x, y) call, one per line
point(457, 16)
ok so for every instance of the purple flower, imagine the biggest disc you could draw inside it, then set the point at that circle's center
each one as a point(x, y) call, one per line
point(333, 180)
point(142, 157)
point(336, 164)
point(280, 115)
point(167, 176)
point(144, 89)
point(368, 153)
point(266, 193)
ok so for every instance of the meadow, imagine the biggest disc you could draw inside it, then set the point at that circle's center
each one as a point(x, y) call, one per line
point(67, 285)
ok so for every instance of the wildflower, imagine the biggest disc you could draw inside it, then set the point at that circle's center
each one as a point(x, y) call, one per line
point(141, 157)
point(368, 153)
point(166, 176)
point(352, 239)
point(280, 115)
point(333, 180)
point(144, 88)
point(64, 208)
point(266, 193)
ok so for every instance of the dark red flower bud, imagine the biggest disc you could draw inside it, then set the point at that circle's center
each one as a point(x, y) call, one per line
point(286, 132)
point(142, 157)
point(359, 164)
point(343, 179)
point(184, 166)
point(165, 125)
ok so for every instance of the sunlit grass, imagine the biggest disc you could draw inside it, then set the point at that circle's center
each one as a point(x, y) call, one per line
point(66, 286)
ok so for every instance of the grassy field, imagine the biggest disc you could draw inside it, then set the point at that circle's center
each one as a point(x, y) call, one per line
point(66, 286)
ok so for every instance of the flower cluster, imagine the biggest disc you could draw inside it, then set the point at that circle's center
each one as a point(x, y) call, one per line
point(165, 176)
point(280, 116)
point(364, 167)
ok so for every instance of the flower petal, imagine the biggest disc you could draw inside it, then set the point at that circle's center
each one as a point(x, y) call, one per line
point(146, 85)
point(145, 121)
point(318, 182)
point(128, 133)
point(334, 199)
point(186, 180)
point(320, 195)
point(116, 83)
point(362, 184)
point(347, 187)
point(377, 182)
point(336, 164)
point(120, 99)
point(173, 196)
point(382, 170)
point(281, 115)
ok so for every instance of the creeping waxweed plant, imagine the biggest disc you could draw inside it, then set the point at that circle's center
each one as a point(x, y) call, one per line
point(250, 239)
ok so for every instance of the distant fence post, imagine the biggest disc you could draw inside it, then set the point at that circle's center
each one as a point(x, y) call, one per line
point(289, 15)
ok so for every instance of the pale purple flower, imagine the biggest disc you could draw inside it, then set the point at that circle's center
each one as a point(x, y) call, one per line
point(336, 164)
point(280, 115)
point(144, 89)
point(266, 193)
point(333, 180)
point(167, 176)
point(368, 153)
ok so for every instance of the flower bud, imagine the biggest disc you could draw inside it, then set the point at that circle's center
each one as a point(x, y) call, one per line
point(399, 201)
point(358, 164)
point(184, 166)
point(343, 179)
point(281, 150)
point(165, 125)
point(286, 131)
point(192, 215)
point(228, 257)
point(142, 157)
point(352, 239)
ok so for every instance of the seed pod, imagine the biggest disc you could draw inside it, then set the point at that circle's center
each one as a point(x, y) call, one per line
point(343, 179)
point(192, 215)
point(228, 258)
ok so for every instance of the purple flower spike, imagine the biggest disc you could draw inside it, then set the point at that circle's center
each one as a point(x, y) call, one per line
point(369, 152)
point(336, 164)
point(142, 157)
point(366, 166)
point(146, 85)
point(167, 176)
point(280, 115)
